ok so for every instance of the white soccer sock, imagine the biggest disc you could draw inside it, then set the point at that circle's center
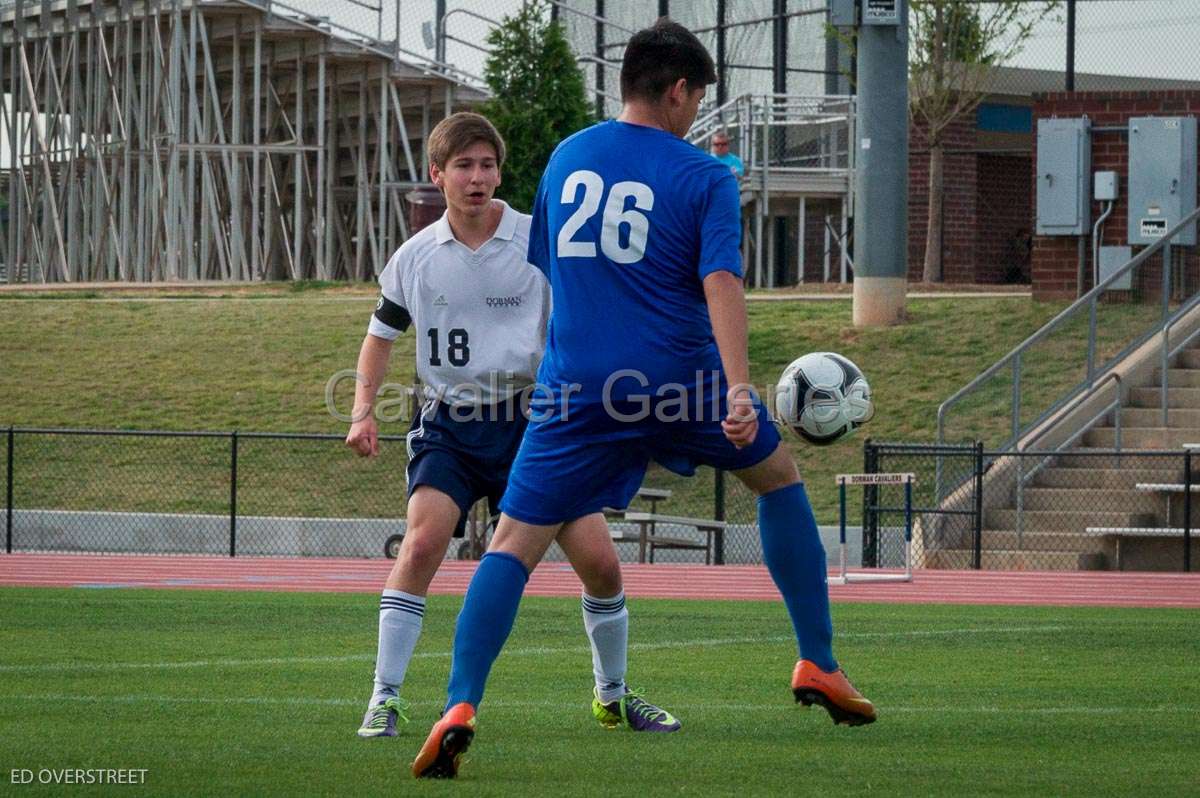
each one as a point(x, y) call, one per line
point(607, 624)
point(400, 617)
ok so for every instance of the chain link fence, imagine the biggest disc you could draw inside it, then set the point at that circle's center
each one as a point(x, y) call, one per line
point(267, 494)
point(1092, 509)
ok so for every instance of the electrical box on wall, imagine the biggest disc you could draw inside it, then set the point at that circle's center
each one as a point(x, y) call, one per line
point(1162, 177)
point(843, 13)
point(1064, 165)
point(1104, 186)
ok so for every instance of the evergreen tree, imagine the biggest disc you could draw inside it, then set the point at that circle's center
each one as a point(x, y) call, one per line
point(538, 96)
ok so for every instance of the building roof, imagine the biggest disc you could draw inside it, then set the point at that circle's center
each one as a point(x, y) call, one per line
point(1025, 82)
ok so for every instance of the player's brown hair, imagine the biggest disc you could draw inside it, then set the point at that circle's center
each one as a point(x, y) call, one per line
point(459, 131)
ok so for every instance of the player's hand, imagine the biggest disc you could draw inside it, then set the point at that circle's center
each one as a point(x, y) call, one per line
point(741, 423)
point(364, 436)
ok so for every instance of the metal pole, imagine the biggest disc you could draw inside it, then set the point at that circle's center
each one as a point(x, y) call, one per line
point(908, 527)
point(977, 560)
point(1187, 509)
point(842, 525)
point(870, 527)
point(600, 54)
point(233, 480)
point(801, 236)
point(1070, 45)
point(439, 12)
point(881, 173)
point(779, 78)
point(8, 495)
point(719, 515)
point(722, 90)
point(664, 8)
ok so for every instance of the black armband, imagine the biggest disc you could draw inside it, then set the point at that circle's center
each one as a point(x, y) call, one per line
point(392, 315)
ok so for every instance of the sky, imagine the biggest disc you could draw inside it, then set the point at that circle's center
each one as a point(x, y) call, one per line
point(1150, 38)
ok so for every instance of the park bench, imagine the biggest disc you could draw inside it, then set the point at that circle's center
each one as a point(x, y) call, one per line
point(1126, 533)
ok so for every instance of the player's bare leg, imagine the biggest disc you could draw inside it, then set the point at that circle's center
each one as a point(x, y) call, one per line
point(588, 545)
point(432, 518)
point(796, 559)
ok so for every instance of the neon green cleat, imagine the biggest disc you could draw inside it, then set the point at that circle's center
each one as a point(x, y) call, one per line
point(380, 720)
point(633, 711)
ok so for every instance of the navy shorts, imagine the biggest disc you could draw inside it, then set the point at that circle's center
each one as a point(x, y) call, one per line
point(559, 476)
point(465, 453)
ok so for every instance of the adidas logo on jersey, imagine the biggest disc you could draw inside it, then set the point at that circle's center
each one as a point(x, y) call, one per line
point(504, 302)
point(441, 301)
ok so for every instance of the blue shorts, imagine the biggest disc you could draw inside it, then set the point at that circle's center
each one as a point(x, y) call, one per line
point(466, 457)
point(560, 477)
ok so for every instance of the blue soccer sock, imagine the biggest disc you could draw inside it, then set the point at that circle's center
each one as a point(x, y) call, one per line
point(796, 559)
point(484, 624)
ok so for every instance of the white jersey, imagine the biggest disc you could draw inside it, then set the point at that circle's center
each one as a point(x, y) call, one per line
point(479, 317)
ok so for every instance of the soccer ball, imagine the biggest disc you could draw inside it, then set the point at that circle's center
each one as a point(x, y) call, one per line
point(823, 397)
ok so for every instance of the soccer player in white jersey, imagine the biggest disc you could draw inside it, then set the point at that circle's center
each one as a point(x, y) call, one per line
point(639, 232)
point(479, 311)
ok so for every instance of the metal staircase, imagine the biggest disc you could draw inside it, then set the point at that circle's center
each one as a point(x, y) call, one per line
point(1087, 423)
point(795, 149)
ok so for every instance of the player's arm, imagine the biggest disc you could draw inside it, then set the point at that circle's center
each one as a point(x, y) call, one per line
point(391, 318)
point(720, 272)
point(372, 368)
point(727, 310)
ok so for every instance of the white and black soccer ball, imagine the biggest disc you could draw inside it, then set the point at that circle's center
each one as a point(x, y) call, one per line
point(823, 397)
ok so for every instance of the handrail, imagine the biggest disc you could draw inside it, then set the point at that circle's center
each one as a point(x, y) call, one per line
point(1023, 478)
point(1167, 353)
point(561, 6)
point(1013, 358)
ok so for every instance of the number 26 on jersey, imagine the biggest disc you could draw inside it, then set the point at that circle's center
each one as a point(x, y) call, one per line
point(571, 245)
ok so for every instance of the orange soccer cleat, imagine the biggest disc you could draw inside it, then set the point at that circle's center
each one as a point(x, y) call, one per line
point(449, 738)
point(811, 685)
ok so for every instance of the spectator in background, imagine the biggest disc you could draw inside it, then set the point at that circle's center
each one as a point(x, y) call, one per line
point(720, 151)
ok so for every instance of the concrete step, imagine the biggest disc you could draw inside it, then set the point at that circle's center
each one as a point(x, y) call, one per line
point(1179, 377)
point(1133, 417)
point(1176, 397)
point(1090, 499)
point(1064, 520)
point(1188, 359)
point(1058, 476)
point(1012, 540)
point(1005, 560)
point(1142, 437)
point(1090, 458)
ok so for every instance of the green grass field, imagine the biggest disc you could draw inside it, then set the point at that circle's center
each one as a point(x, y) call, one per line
point(257, 358)
point(260, 694)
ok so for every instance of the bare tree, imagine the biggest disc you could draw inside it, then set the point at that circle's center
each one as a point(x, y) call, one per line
point(954, 46)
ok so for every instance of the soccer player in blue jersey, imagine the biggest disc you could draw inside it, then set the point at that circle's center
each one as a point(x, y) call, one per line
point(646, 358)
point(480, 314)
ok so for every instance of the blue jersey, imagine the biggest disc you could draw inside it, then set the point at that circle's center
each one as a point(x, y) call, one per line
point(627, 223)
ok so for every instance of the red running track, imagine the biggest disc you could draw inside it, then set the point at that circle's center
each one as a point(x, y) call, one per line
point(750, 582)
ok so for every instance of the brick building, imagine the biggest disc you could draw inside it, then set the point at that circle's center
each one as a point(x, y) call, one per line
point(989, 170)
point(1056, 268)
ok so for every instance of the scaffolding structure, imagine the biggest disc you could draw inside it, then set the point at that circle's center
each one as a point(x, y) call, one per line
point(182, 140)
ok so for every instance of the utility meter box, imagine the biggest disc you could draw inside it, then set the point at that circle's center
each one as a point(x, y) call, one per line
point(1105, 186)
point(843, 13)
point(1064, 165)
point(1162, 177)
